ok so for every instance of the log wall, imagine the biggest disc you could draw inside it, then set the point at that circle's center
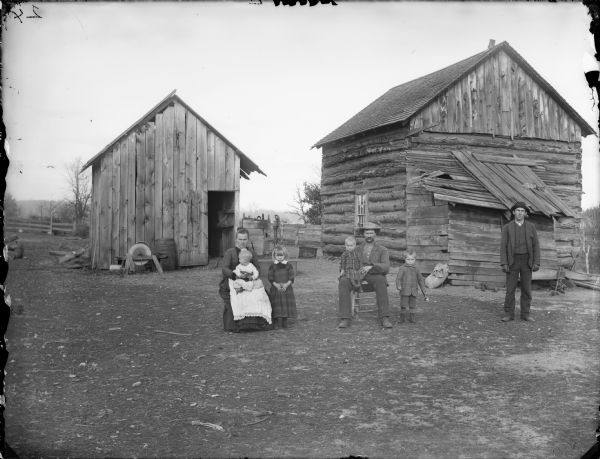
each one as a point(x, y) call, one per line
point(153, 184)
point(374, 165)
point(498, 97)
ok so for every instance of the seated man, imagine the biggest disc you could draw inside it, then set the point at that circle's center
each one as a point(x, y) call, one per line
point(375, 264)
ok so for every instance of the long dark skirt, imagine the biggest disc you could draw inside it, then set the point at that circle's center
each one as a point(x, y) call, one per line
point(283, 303)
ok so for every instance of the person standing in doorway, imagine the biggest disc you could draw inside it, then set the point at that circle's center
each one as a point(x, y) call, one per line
point(519, 257)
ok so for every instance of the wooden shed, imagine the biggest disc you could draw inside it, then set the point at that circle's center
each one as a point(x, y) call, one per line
point(170, 177)
point(439, 160)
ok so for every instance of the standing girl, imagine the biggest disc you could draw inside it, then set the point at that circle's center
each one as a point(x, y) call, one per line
point(281, 294)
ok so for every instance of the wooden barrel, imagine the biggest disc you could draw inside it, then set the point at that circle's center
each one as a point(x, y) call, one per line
point(166, 251)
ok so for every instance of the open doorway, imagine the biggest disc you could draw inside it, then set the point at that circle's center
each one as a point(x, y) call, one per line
point(221, 221)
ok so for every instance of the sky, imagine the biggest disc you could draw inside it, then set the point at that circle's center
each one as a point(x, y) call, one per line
point(273, 80)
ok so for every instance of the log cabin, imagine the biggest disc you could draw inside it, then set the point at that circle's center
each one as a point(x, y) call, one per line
point(438, 161)
point(169, 180)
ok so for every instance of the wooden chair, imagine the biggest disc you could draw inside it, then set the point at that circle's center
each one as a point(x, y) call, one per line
point(363, 301)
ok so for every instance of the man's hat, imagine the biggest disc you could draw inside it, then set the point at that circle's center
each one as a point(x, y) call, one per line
point(520, 205)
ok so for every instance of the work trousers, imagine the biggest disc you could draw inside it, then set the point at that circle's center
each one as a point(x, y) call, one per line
point(408, 301)
point(379, 283)
point(519, 269)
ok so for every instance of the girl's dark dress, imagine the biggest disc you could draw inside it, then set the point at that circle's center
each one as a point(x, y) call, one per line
point(283, 304)
point(230, 261)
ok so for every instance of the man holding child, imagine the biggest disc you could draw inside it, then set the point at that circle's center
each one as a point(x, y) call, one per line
point(375, 264)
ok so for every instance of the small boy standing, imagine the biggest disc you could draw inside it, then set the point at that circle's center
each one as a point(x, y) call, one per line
point(350, 263)
point(408, 281)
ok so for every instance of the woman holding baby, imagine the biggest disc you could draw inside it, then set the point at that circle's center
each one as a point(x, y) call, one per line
point(246, 304)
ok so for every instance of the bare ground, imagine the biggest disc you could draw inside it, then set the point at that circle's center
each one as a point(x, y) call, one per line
point(102, 365)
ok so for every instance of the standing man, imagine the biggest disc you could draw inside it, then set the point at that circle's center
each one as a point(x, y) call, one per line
point(375, 264)
point(519, 256)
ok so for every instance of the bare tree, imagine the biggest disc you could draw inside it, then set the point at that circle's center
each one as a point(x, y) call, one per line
point(79, 191)
point(307, 203)
point(51, 207)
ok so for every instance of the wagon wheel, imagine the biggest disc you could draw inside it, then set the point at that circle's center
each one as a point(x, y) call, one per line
point(140, 249)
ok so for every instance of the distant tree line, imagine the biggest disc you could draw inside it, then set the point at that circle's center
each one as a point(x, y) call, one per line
point(75, 208)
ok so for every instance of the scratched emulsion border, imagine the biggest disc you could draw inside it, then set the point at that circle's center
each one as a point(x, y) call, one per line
point(4, 296)
point(593, 80)
point(4, 306)
point(7, 6)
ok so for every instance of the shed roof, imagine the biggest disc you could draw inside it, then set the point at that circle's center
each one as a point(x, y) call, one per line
point(400, 103)
point(247, 166)
point(495, 182)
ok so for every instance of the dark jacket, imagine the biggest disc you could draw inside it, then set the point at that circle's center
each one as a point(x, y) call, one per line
point(409, 279)
point(508, 239)
point(379, 259)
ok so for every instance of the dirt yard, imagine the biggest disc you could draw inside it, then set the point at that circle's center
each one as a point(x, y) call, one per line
point(138, 366)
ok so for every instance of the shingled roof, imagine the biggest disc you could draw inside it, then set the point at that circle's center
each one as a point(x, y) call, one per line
point(402, 102)
point(247, 166)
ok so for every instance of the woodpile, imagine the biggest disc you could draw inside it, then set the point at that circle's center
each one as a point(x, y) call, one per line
point(79, 258)
point(15, 248)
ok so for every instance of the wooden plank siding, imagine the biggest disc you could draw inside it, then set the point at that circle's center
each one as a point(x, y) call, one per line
point(140, 183)
point(180, 201)
point(149, 177)
point(167, 174)
point(153, 184)
point(201, 231)
point(159, 152)
point(123, 198)
point(474, 245)
point(116, 209)
point(105, 210)
point(498, 97)
point(560, 170)
point(95, 219)
point(189, 253)
point(130, 187)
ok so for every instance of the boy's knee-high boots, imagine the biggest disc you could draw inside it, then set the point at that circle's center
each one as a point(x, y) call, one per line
point(402, 315)
point(411, 316)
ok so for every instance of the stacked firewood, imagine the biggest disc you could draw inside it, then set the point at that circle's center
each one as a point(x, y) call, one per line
point(15, 248)
point(79, 258)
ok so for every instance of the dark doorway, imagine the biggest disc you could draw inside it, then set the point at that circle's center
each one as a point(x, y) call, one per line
point(221, 221)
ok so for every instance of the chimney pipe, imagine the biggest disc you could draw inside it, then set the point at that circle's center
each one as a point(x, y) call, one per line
point(491, 44)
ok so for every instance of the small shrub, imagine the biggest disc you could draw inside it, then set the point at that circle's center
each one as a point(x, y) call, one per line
point(82, 230)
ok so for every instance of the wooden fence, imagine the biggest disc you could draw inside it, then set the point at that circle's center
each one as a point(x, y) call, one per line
point(24, 225)
point(301, 235)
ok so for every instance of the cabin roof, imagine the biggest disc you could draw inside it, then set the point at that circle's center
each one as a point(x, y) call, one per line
point(402, 102)
point(247, 166)
point(495, 182)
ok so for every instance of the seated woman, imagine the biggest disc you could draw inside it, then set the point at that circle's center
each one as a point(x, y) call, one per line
point(246, 310)
point(247, 293)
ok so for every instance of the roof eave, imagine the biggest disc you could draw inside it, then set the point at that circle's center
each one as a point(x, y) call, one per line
point(171, 97)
